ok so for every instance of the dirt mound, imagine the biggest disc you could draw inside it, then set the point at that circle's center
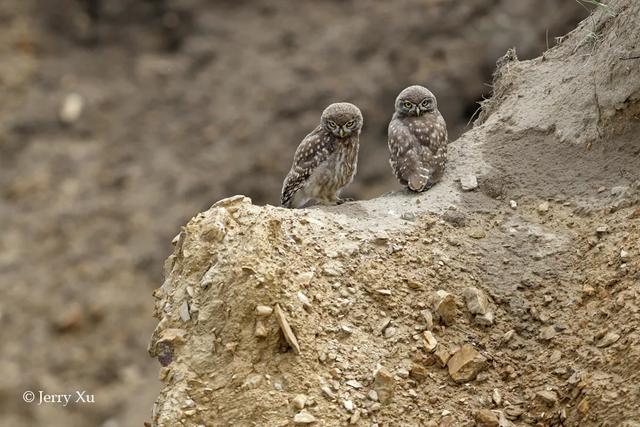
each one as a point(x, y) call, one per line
point(516, 303)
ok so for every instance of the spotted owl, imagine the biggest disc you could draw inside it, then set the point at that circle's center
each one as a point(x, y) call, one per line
point(326, 159)
point(417, 139)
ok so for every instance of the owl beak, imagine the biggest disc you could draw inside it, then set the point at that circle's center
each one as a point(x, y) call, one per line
point(342, 132)
point(418, 111)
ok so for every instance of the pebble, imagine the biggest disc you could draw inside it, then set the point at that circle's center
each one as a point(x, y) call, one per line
point(485, 319)
point(428, 318)
point(72, 108)
point(306, 303)
point(299, 401)
point(486, 418)
point(429, 341)
point(348, 405)
point(261, 330)
point(402, 373)
point(547, 333)
point(477, 233)
point(607, 340)
point(496, 397)
point(444, 305)
point(184, 312)
point(600, 231)
point(442, 356)
point(327, 392)
point(543, 207)
point(624, 255)
point(390, 331)
point(264, 310)
point(418, 372)
point(477, 301)
point(549, 397)
point(469, 182)
point(386, 292)
point(304, 417)
point(373, 395)
point(355, 417)
point(465, 364)
point(354, 384)
point(508, 335)
point(513, 204)
point(384, 384)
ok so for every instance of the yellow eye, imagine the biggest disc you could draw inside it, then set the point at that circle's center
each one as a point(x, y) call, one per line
point(331, 124)
point(407, 105)
point(350, 123)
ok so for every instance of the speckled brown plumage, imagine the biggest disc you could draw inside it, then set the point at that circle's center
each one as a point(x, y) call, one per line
point(326, 159)
point(417, 139)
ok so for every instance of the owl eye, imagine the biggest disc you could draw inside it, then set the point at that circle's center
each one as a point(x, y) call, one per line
point(332, 124)
point(407, 104)
point(350, 123)
point(426, 102)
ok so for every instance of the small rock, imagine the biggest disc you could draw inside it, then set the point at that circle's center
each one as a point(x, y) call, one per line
point(261, 330)
point(624, 255)
point(402, 373)
point(299, 401)
point(383, 324)
point(72, 108)
point(348, 405)
point(513, 204)
point(496, 397)
point(602, 189)
point(465, 364)
point(602, 230)
point(389, 332)
point(508, 335)
point(354, 384)
point(485, 319)
point(549, 397)
point(384, 385)
point(286, 329)
point(326, 390)
point(429, 341)
point(418, 372)
point(264, 310)
point(583, 406)
point(543, 207)
point(477, 301)
point(306, 303)
point(477, 233)
point(184, 312)
point(607, 340)
point(386, 292)
point(442, 356)
point(469, 182)
point(547, 333)
point(428, 318)
point(373, 395)
point(304, 417)
point(355, 417)
point(486, 418)
point(444, 305)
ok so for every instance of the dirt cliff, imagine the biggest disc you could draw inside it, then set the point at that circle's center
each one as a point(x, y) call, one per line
point(514, 302)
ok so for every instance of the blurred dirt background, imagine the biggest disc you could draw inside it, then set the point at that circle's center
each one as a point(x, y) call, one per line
point(120, 120)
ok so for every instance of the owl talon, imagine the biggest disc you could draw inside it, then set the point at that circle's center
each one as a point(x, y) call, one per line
point(342, 201)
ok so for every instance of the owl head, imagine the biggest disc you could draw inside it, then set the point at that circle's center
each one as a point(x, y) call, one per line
point(415, 101)
point(342, 119)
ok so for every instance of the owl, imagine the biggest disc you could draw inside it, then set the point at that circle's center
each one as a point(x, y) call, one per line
point(417, 139)
point(326, 159)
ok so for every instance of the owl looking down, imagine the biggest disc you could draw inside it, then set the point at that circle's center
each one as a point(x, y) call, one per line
point(417, 139)
point(326, 159)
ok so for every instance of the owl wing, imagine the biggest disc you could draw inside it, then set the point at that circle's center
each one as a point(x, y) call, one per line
point(314, 150)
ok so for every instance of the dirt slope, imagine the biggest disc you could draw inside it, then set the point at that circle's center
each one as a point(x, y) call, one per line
point(517, 303)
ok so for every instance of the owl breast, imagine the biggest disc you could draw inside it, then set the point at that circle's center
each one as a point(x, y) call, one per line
point(337, 171)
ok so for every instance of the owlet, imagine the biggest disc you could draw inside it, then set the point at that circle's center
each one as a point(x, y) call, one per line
point(326, 159)
point(417, 139)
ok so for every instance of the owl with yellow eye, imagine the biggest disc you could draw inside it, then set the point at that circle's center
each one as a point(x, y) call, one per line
point(417, 138)
point(326, 160)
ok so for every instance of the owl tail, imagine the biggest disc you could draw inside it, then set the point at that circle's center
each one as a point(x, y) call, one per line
point(420, 180)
